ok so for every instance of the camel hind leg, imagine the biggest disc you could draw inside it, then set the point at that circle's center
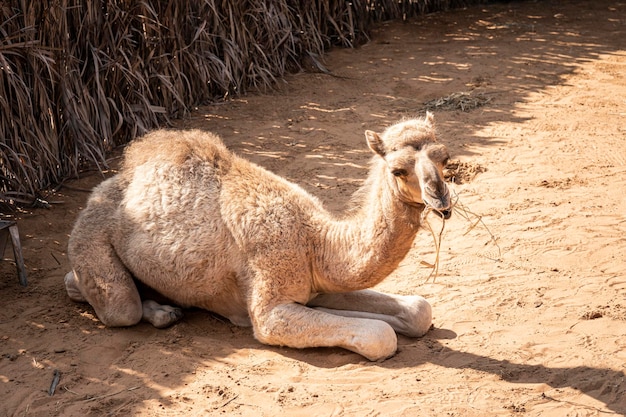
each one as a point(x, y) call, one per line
point(103, 281)
point(409, 315)
point(109, 288)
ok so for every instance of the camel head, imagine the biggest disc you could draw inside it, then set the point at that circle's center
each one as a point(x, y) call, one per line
point(414, 161)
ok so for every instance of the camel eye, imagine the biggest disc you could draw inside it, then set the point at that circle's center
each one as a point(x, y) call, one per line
point(399, 172)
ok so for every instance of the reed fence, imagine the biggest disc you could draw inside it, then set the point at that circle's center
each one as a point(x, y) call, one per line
point(80, 77)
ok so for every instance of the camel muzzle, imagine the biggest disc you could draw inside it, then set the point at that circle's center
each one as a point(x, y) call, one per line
point(439, 202)
point(446, 213)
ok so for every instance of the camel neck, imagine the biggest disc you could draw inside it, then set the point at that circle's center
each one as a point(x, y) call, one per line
point(363, 249)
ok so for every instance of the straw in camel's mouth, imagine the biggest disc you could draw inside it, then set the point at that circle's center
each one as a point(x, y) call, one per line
point(445, 214)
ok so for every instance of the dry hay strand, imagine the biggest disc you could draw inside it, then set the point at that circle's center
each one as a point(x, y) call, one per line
point(460, 210)
point(437, 237)
point(463, 101)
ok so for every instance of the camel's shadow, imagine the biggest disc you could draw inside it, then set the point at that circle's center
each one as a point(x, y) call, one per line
point(599, 383)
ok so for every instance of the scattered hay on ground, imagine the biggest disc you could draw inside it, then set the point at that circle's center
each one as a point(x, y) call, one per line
point(458, 101)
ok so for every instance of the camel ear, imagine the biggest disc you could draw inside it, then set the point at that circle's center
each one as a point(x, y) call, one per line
point(430, 118)
point(375, 143)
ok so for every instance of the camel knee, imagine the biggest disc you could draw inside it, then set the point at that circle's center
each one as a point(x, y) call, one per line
point(376, 340)
point(120, 316)
point(72, 288)
point(119, 307)
point(273, 328)
point(417, 317)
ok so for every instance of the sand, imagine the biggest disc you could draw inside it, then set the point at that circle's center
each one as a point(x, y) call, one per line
point(530, 298)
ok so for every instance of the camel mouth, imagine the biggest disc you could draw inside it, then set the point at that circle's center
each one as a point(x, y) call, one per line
point(444, 213)
point(439, 203)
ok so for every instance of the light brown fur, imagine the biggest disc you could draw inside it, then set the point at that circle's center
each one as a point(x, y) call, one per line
point(209, 229)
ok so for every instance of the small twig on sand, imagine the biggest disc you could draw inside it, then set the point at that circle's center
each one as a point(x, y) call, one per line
point(578, 405)
point(110, 395)
point(118, 409)
point(229, 401)
point(69, 390)
point(55, 258)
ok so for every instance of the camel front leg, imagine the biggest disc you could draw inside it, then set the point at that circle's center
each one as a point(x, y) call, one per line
point(410, 315)
point(298, 326)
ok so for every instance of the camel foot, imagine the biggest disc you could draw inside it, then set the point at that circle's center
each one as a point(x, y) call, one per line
point(160, 316)
point(72, 288)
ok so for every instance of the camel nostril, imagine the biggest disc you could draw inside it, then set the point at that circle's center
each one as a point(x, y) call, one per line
point(446, 214)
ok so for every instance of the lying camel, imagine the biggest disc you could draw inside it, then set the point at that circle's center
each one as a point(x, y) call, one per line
point(206, 228)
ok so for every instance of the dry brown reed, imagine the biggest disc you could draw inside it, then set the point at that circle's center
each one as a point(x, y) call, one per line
point(80, 77)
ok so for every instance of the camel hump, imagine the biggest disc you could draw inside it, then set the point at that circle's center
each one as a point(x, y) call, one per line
point(172, 147)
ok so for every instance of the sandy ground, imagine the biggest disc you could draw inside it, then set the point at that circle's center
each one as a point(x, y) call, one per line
point(529, 304)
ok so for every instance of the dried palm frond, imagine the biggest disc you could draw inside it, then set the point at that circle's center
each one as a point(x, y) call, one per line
point(458, 101)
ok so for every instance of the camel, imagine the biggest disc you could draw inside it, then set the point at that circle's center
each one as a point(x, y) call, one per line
point(206, 228)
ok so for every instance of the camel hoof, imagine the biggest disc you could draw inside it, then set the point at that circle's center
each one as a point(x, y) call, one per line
point(160, 316)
